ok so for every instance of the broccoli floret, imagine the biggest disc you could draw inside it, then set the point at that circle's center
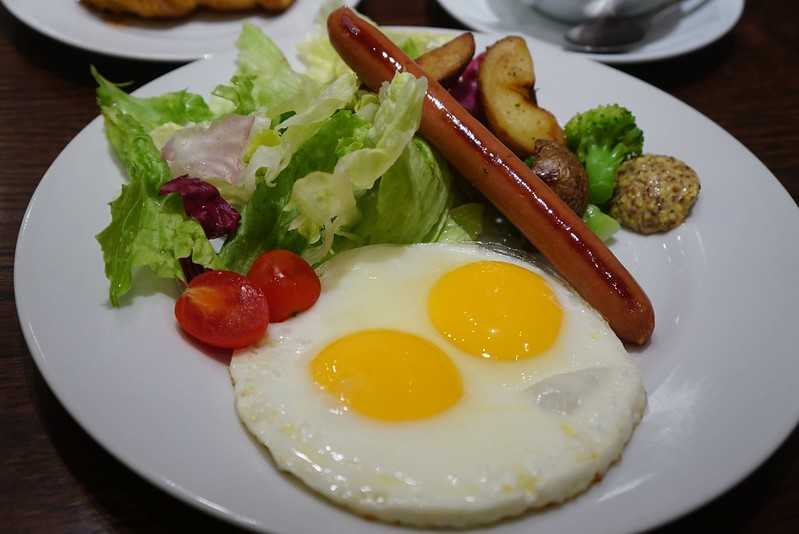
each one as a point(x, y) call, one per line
point(603, 138)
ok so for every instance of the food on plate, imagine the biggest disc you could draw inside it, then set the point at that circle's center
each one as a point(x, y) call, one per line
point(646, 194)
point(213, 150)
point(557, 167)
point(493, 169)
point(203, 203)
point(180, 8)
point(226, 310)
point(223, 309)
point(466, 88)
point(602, 224)
point(603, 138)
point(654, 193)
point(291, 286)
point(448, 60)
point(507, 97)
point(386, 399)
point(318, 220)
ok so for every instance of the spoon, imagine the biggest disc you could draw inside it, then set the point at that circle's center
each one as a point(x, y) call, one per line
point(610, 32)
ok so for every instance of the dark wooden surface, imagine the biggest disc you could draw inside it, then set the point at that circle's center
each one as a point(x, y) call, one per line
point(54, 478)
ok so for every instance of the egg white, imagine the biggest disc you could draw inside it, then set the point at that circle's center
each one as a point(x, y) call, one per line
point(524, 434)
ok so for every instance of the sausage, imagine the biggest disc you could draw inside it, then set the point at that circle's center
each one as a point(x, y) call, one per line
point(544, 219)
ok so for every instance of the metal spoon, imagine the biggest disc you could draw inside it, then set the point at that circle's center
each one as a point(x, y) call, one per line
point(610, 32)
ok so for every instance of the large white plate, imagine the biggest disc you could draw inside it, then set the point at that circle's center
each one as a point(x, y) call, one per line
point(693, 25)
point(187, 39)
point(721, 371)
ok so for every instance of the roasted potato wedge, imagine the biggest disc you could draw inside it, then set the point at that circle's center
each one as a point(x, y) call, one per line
point(507, 93)
point(448, 60)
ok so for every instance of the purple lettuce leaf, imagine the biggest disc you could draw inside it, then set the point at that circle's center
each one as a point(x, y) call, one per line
point(465, 88)
point(191, 269)
point(203, 203)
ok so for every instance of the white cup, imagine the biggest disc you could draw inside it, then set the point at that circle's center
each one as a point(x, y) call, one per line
point(574, 11)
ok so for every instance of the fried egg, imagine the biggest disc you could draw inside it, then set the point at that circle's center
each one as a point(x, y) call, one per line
point(441, 385)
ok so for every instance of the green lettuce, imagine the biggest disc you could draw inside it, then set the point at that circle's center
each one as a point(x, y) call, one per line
point(412, 204)
point(146, 229)
point(267, 217)
point(264, 81)
point(463, 223)
point(270, 158)
point(326, 201)
point(322, 62)
point(414, 44)
point(180, 107)
point(161, 134)
point(409, 201)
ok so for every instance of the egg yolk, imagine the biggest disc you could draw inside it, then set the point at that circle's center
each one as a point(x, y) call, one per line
point(388, 375)
point(495, 310)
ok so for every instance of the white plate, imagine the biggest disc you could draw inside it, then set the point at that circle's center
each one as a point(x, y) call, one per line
point(721, 371)
point(692, 26)
point(187, 39)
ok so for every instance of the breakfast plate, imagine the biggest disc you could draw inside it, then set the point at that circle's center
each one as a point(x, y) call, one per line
point(193, 37)
point(719, 360)
point(691, 26)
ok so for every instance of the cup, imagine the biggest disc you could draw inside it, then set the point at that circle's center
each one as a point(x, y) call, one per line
point(574, 11)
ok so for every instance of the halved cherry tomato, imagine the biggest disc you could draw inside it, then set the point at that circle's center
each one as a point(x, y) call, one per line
point(290, 284)
point(223, 309)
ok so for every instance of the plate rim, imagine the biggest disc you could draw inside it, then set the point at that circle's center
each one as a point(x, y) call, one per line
point(626, 58)
point(55, 34)
point(117, 51)
point(188, 496)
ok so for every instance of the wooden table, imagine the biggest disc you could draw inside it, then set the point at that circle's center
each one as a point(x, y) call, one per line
point(55, 478)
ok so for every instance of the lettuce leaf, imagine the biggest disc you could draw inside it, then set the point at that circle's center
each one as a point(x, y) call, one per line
point(264, 81)
point(203, 203)
point(180, 107)
point(322, 62)
point(466, 88)
point(327, 200)
point(146, 230)
point(162, 134)
point(212, 150)
point(416, 43)
point(409, 201)
point(463, 223)
point(411, 204)
point(269, 159)
point(266, 219)
point(239, 93)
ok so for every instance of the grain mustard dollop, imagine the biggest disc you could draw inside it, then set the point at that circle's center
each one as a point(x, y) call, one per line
point(654, 193)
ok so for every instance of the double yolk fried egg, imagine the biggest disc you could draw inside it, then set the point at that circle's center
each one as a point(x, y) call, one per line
point(441, 385)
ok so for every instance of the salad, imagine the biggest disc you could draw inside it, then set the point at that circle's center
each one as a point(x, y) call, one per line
point(274, 159)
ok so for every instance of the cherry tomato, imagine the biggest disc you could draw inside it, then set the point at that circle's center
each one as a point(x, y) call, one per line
point(223, 309)
point(290, 284)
